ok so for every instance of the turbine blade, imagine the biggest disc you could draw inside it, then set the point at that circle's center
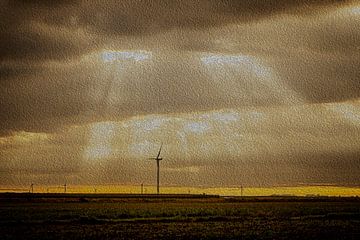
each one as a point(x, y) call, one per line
point(159, 151)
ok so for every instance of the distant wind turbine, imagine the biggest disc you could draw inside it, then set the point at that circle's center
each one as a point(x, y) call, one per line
point(158, 159)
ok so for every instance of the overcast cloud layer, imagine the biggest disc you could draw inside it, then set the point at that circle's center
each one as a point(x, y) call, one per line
point(268, 86)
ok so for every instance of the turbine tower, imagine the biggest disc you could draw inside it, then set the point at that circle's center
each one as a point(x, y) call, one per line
point(157, 159)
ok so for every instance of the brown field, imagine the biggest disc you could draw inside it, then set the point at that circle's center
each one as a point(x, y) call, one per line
point(90, 216)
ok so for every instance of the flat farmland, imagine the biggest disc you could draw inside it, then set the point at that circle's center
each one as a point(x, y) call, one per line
point(89, 217)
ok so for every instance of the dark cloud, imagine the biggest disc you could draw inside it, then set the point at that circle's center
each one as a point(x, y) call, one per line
point(269, 55)
point(147, 17)
point(81, 93)
point(56, 96)
point(11, 72)
point(36, 46)
point(44, 160)
point(20, 40)
point(322, 78)
point(86, 93)
point(339, 35)
point(287, 168)
point(32, 31)
point(43, 3)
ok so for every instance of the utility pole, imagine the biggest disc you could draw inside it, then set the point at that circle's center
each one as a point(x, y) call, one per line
point(65, 188)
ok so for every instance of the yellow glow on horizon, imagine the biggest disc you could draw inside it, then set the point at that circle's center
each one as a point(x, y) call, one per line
point(223, 191)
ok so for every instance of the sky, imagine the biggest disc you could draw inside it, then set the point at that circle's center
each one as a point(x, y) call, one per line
point(254, 93)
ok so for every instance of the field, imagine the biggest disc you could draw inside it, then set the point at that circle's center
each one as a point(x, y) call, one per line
point(176, 217)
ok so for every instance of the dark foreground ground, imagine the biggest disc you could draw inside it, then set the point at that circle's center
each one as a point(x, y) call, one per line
point(172, 217)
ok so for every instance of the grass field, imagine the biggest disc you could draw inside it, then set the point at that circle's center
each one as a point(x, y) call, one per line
point(178, 218)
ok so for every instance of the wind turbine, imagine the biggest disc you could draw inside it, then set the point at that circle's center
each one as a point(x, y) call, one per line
point(158, 159)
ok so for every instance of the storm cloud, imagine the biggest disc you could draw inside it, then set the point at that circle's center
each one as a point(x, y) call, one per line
point(266, 72)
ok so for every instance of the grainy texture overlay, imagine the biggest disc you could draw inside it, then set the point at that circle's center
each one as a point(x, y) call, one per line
point(253, 93)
